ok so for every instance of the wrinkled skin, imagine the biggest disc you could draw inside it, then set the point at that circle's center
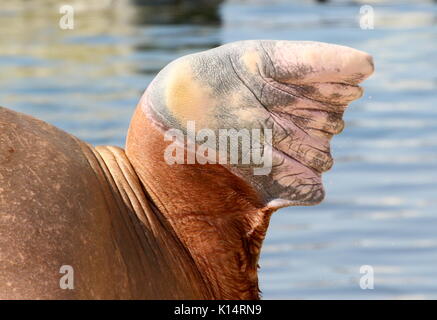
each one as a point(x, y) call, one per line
point(134, 227)
point(298, 89)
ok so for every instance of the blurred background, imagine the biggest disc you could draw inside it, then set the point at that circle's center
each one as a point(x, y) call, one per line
point(381, 203)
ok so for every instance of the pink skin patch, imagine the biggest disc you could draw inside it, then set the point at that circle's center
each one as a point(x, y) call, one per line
point(299, 90)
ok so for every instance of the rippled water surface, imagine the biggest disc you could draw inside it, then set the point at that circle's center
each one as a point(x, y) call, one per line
point(381, 203)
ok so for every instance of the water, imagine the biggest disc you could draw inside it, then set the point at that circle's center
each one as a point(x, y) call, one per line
point(381, 202)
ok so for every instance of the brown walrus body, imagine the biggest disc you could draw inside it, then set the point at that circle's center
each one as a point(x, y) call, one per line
point(64, 203)
point(133, 226)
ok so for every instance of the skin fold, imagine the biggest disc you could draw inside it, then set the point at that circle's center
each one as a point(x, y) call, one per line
point(135, 227)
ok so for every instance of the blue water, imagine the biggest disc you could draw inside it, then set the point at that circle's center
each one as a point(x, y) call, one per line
point(381, 203)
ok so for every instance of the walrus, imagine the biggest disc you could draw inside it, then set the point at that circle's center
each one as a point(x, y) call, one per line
point(130, 224)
